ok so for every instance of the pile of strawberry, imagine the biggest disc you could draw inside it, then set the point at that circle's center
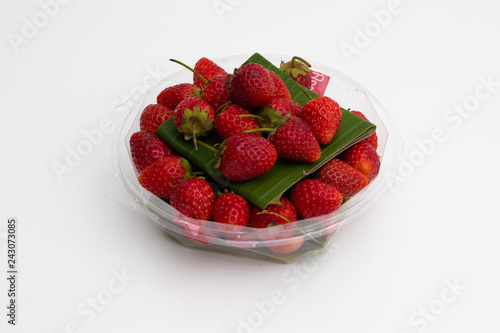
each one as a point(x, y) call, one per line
point(257, 122)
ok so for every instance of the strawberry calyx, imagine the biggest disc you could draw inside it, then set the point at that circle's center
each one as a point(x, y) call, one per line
point(295, 67)
point(195, 123)
point(269, 117)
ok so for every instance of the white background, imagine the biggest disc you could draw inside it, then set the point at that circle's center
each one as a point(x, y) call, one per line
point(439, 227)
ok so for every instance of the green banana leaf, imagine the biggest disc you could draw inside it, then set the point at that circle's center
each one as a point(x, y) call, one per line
point(269, 187)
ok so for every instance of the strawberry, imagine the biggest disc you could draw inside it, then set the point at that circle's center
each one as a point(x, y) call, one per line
point(208, 69)
point(216, 91)
point(324, 116)
point(193, 117)
point(313, 198)
point(372, 140)
point(173, 95)
point(160, 177)
point(230, 122)
point(285, 106)
point(344, 177)
point(298, 69)
point(280, 88)
point(270, 115)
point(363, 157)
point(193, 197)
point(245, 156)
point(231, 209)
point(275, 223)
point(295, 141)
point(273, 214)
point(287, 246)
point(251, 86)
point(146, 148)
point(153, 116)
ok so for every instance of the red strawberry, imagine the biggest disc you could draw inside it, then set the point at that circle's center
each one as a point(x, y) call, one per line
point(193, 197)
point(270, 115)
point(146, 148)
point(313, 198)
point(285, 106)
point(280, 88)
point(245, 156)
point(153, 116)
point(193, 117)
point(324, 116)
point(216, 92)
point(363, 157)
point(160, 177)
point(251, 86)
point(344, 177)
point(372, 140)
point(229, 122)
point(298, 69)
point(287, 246)
point(208, 69)
point(231, 209)
point(295, 141)
point(173, 95)
point(273, 214)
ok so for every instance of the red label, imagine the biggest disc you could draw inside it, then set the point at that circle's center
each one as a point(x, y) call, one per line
point(319, 82)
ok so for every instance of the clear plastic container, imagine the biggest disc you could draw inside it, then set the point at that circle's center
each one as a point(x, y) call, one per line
point(280, 243)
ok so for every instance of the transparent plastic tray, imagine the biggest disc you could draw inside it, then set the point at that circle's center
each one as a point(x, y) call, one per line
point(280, 244)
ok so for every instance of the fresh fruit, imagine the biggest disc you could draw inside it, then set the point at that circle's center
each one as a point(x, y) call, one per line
point(153, 116)
point(208, 69)
point(273, 214)
point(344, 177)
point(294, 140)
point(193, 197)
point(324, 116)
point(251, 86)
point(285, 106)
point(298, 69)
point(363, 157)
point(173, 95)
point(160, 177)
point(246, 156)
point(230, 122)
point(372, 140)
point(231, 209)
point(289, 246)
point(269, 116)
point(146, 148)
point(216, 92)
point(280, 88)
point(312, 198)
point(194, 117)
